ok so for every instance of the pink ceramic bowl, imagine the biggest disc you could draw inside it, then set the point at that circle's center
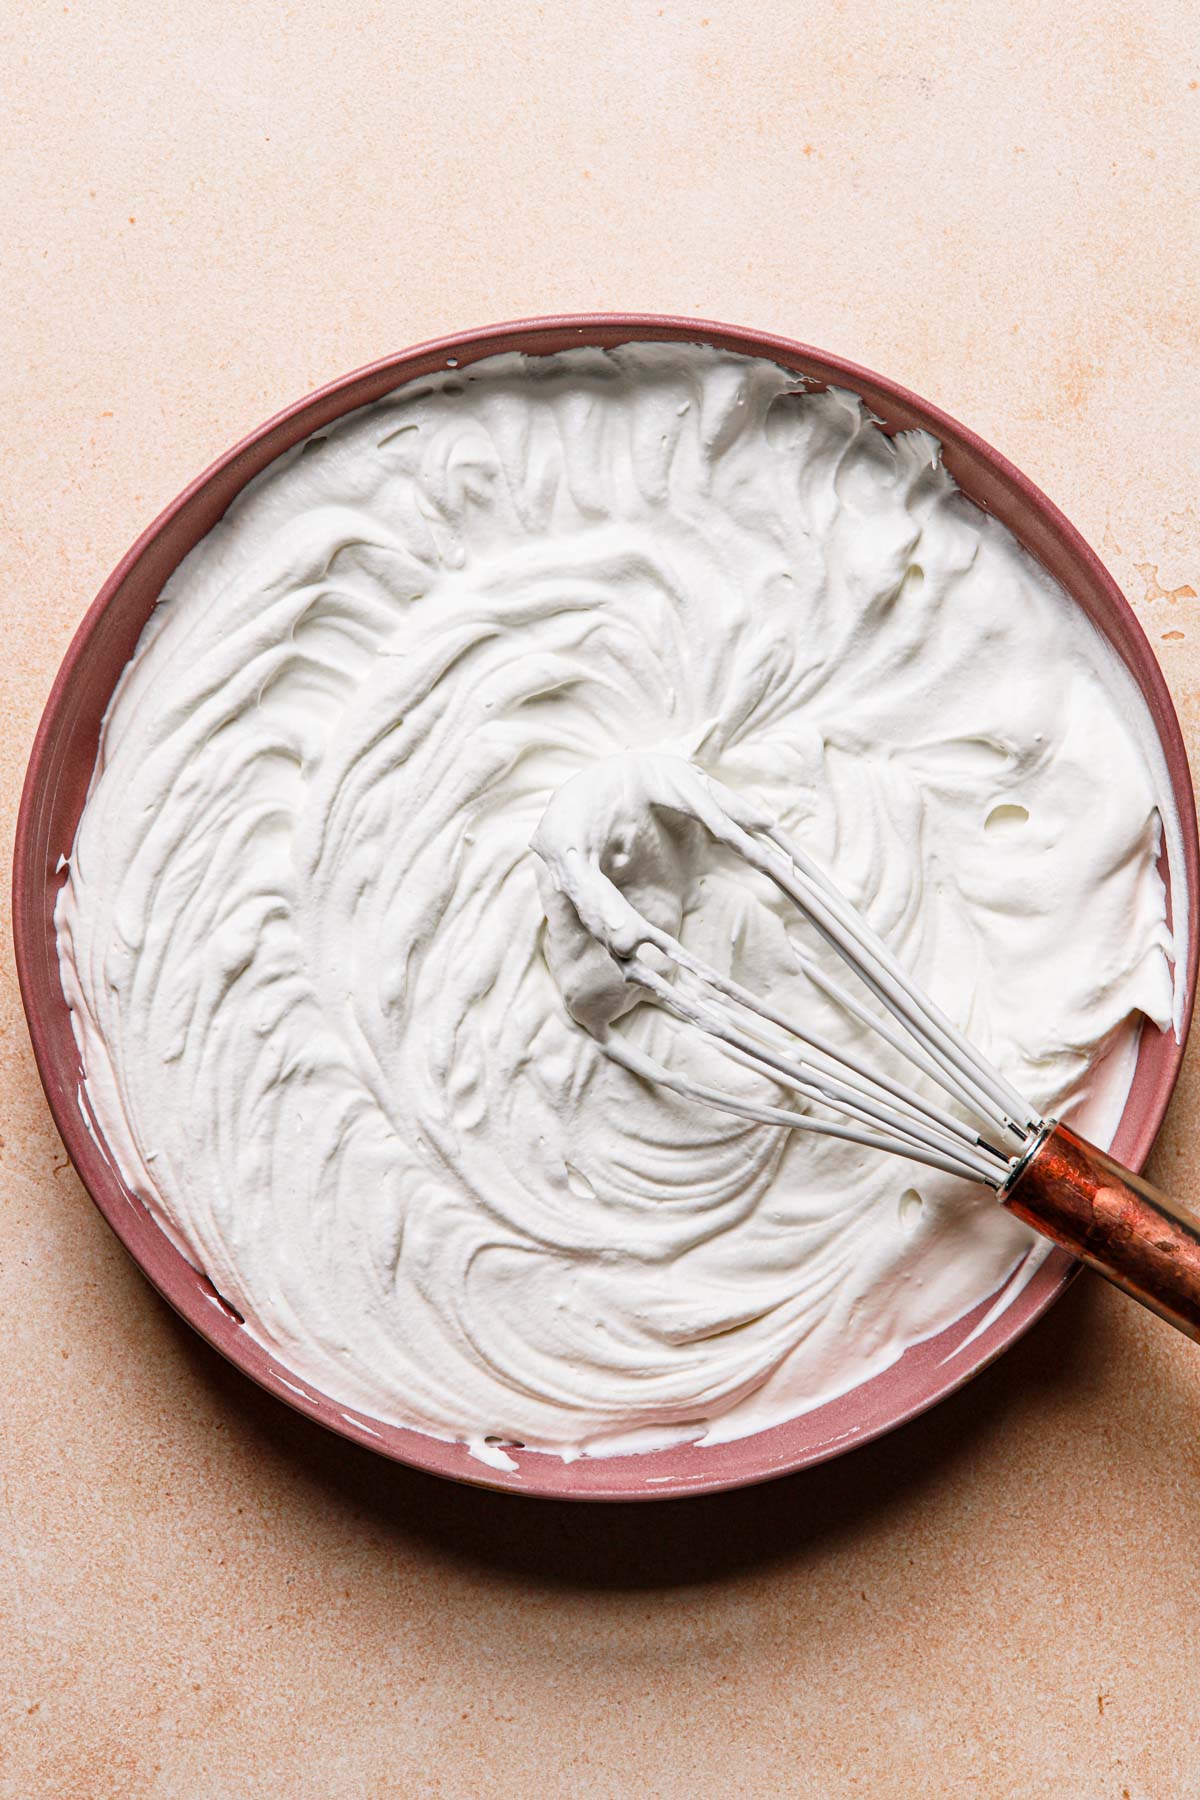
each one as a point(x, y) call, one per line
point(57, 781)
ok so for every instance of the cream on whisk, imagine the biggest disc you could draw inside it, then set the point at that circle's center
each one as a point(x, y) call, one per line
point(327, 1013)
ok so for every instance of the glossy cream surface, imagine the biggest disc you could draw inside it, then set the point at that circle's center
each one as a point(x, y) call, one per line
point(305, 945)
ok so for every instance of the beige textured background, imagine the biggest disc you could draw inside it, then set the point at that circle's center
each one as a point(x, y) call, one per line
point(210, 207)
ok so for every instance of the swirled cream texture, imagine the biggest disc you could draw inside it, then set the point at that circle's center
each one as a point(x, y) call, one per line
point(304, 947)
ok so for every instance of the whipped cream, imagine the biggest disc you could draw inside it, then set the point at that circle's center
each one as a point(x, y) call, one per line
point(312, 978)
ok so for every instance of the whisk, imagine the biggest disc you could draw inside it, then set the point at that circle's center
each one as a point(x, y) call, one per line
point(1040, 1170)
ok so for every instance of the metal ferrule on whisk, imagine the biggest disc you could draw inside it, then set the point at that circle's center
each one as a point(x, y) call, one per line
point(1112, 1220)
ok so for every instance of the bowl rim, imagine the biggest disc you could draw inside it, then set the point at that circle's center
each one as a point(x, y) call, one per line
point(764, 1455)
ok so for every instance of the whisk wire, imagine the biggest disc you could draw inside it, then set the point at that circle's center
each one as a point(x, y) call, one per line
point(638, 1063)
point(851, 1095)
point(873, 1099)
point(876, 1109)
point(1005, 1095)
point(868, 1080)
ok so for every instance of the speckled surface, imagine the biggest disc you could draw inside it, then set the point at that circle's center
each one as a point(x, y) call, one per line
point(209, 209)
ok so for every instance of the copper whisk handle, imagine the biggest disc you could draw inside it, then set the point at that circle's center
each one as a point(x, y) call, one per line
point(1113, 1221)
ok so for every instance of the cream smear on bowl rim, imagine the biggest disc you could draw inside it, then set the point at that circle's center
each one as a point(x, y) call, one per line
point(303, 944)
